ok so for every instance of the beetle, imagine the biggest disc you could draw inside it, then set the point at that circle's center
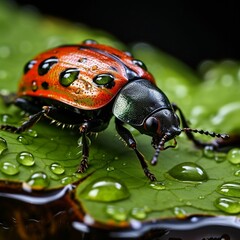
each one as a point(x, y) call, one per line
point(85, 85)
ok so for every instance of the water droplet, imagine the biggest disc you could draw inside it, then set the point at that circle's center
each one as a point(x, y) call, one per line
point(80, 141)
point(228, 205)
point(57, 168)
point(38, 181)
point(231, 189)
point(25, 158)
point(68, 76)
point(188, 171)
point(233, 156)
point(32, 133)
point(208, 152)
point(3, 145)
point(9, 168)
point(110, 168)
point(139, 213)
point(45, 66)
point(6, 118)
point(237, 173)
point(105, 190)
point(117, 213)
point(66, 180)
point(220, 156)
point(157, 185)
point(23, 140)
point(179, 212)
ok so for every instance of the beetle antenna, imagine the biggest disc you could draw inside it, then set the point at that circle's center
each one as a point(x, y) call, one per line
point(161, 147)
point(212, 134)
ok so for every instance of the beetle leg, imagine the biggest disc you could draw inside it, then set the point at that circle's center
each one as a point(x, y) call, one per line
point(85, 148)
point(29, 123)
point(130, 141)
point(189, 134)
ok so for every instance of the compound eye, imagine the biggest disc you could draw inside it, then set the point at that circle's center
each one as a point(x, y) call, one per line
point(152, 125)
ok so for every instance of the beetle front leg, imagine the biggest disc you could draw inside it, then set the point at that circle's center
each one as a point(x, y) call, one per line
point(85, 148)
point(130, 141)
point(29, 123)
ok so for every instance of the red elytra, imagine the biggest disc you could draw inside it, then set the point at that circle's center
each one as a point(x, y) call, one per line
point(89, 60)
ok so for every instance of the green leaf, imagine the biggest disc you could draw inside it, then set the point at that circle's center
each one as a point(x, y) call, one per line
point(114, 190)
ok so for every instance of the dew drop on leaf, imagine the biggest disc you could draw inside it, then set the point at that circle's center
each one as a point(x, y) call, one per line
point(208, 152)
point(117, 213)
point(157, 185)
point(25, 159)
point(32, 133)
point(105, 189)
point(66, 180)
point(220, 156)
point(231, 189)
point(228, 205)
point(233, 156)
point(179, 212)
point(139, 213)
point(110, 168)
point(9, 168)
point(237, 173)
point(188, 171)
point(23, 140)
point(38, 180)
point(57, 168)
point(3, 145)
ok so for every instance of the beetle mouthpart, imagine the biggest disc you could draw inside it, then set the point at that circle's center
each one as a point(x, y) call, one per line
point(160, 147)
point(212, 134)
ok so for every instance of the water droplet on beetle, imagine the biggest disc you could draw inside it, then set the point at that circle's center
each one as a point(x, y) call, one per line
point(117, 213)
point(105, 189)
point(139, 213)
point(9, 168)
point(68, 76)
point(3, 145)
point(233, 156)
point(25, 158)
point(57, 168)
point(38, 180)
point(228, 205)
point(231, 189)
point(188, 171)
point(157, 185)
point(23, 140)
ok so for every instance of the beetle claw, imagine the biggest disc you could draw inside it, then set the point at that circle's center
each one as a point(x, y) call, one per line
point(83, 166)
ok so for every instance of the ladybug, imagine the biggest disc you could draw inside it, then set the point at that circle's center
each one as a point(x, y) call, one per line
point(85, 85)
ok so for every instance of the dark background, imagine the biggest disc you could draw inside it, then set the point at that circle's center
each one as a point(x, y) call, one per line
point(192, 31)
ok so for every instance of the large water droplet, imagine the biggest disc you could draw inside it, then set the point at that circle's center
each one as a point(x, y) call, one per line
point(25, 158)
point(233, 156)
point(105, 190)
point(231, 189)
point(38, 181)
point(3, 145)
point(228, 205)
point(188, 171)
point(117, 213)
point(57, 168)
point(9, 168)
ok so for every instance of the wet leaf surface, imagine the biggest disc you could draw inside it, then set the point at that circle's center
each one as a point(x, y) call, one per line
point(114, 190)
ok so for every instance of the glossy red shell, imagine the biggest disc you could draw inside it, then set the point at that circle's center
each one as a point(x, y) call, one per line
point(91, 60)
